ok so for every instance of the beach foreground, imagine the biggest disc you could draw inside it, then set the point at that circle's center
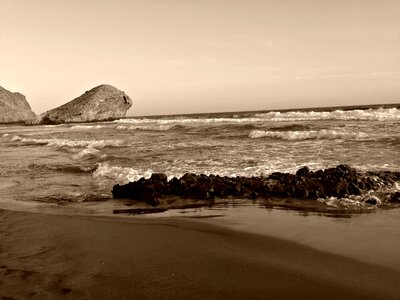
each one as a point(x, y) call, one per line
point(56, 256)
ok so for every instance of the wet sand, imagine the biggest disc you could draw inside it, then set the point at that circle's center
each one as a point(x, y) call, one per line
point(74, 257)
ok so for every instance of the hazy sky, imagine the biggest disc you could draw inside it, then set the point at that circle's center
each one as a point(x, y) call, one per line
point(186, 56)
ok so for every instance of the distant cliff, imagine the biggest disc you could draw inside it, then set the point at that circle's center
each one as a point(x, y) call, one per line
point(101, 103)
point(14, 107)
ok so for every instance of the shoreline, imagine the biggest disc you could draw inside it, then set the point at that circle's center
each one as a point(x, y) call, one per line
point(320, 229)
point(85, 257)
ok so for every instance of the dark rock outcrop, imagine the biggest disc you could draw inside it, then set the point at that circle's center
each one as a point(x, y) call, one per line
point(101, 103)
point(14, 107)
point(339, 182)
point(395, 197)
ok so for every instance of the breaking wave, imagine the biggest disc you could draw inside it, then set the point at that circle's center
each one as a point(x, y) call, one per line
point(381, 114)
point(121, 175)
point(306, 135)
point(64, 143)
point(89, 152)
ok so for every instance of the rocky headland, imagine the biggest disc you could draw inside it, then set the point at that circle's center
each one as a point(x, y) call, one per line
point(102, 103)
point(340, 182)
point(13, 107)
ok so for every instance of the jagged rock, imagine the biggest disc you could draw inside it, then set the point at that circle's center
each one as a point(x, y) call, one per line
point(14, 107)
point(101, 103)
point(303, 171)
point(340, 182)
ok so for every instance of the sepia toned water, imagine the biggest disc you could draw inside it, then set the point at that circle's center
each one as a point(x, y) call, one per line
point(74, 163)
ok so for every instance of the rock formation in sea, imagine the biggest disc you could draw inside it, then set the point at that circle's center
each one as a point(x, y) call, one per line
point(102, 103)
point(14, 107)
point(341, 181)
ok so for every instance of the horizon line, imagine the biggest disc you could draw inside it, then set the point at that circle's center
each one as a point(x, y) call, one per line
point(302, 109)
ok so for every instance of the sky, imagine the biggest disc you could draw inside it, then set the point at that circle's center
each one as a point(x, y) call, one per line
point(193, 56)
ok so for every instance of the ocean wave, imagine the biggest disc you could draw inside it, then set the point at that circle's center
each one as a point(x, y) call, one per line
point(205, 129)
point(155, 127)
point(290, 127)
point(121, 175)
point(381, 114)
point(89, 152)
point(306, 135)
point(234, 127)
point(63, 168)
point(188, 121)
point(64, 143)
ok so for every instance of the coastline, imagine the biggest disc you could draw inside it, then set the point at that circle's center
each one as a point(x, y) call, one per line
point(78, 257)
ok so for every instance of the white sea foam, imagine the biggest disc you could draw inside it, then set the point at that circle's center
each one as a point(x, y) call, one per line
point(364, 201)
point(343, 202)
point(367, 200)
point(121, 175)
point(178, 168)
point(155, 127)
point(63, 143)
point(16, 138)
point(381, 114)
point(307, 135)
point(87, 152)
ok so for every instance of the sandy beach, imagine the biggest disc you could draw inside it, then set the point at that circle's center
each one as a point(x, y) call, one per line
point(75, 257)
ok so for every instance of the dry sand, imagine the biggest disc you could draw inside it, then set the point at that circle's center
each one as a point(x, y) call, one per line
point(74, 257)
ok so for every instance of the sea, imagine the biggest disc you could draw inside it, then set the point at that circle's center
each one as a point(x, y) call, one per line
point(74, 163)
point(71, 169)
